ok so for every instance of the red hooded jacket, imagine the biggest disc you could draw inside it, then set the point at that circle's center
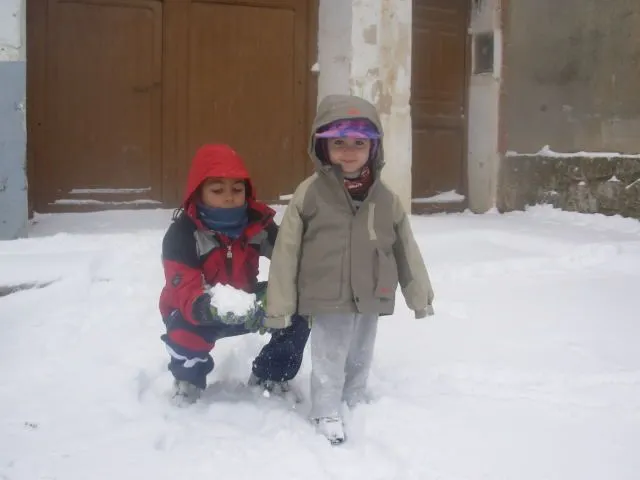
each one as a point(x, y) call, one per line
point(194, 257)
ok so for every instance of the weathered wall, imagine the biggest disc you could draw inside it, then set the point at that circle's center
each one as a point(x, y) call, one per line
point(365, 49)
point(13, 183)
point(573, 75)
point(334, 47)
point(483, 158)
point(587, 183)
point(381, 73)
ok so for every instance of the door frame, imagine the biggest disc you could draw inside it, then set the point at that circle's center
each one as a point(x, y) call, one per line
point(36, 30)
point(452, 207)
point(173, 141)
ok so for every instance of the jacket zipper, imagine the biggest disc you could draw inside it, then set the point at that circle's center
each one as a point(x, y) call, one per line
point(228, 261)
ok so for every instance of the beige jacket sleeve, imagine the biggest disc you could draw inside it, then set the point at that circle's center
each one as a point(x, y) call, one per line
point(282, 290)
point(412, 272)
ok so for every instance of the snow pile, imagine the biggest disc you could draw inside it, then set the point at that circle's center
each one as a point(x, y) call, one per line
point(530, 369)
point(444, 197)
point(227, 299)
point(546, 151)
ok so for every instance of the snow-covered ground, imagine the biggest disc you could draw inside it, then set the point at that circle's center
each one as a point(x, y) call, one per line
point(530, 369)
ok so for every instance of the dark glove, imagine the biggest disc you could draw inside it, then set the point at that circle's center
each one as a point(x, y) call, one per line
point(201, 310)
point(261, 294)
point(255, 319)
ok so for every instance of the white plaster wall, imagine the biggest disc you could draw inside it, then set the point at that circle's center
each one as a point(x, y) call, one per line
point(13, 180)
point(368, 43)
point(395, 93)
point(12, 18)
point(483, 115)
point(334, 47)
point(381, 73)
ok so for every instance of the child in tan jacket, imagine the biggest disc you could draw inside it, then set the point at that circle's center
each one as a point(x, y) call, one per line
point(344, 244)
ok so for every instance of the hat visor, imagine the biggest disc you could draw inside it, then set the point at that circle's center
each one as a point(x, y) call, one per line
point(348, 134)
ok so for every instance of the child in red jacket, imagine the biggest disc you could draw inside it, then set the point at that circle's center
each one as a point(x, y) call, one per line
point(217, 238)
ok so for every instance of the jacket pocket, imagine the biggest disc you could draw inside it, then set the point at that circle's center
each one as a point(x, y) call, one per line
point(321, 280)
point(386, 275)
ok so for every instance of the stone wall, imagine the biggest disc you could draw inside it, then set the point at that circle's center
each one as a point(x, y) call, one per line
point(589, 184)
point(570, 81)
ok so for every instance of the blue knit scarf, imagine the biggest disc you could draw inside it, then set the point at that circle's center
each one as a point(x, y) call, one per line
point(228, 221)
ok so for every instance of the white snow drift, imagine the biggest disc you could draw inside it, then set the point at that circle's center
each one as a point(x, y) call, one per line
point(530, 369)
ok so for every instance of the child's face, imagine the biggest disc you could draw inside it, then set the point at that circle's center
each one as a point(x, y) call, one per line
point(223, 192)
point(350, 153)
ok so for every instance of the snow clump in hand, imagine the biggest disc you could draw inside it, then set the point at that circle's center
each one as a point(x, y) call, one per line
point(229, 300)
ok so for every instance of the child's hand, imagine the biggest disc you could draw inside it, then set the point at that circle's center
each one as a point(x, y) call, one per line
point(201, 310)
point(206, 314)
point(261, 289)
point(261, 294)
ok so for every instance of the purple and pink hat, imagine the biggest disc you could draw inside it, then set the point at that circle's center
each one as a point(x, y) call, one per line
point(349, 128)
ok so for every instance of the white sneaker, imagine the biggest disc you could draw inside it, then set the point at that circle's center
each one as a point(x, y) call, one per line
point(332, 428)
point(185, 393)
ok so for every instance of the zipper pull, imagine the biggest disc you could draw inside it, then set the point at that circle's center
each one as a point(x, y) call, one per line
point(229, 252)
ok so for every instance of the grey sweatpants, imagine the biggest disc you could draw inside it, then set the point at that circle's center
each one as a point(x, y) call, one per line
point(341, 353)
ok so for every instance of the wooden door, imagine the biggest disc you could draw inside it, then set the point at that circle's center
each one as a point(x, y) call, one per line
point(247, 78)
point(439, 102)
point(122, 92)
point(99, 130)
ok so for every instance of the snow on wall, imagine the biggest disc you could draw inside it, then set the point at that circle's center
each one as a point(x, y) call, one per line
point(13, 182)
point(546, 151)
point(587, 182)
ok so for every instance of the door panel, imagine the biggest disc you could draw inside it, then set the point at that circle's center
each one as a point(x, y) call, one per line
point(103, 98)
point(246, 88)
point(438, 102)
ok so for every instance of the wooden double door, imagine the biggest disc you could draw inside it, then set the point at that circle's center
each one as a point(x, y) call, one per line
point(122, 92)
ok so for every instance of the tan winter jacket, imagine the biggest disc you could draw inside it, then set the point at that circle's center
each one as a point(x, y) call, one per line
point(330, 257)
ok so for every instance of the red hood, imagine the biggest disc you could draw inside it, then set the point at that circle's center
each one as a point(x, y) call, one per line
point(220, 161)
point(215, 161)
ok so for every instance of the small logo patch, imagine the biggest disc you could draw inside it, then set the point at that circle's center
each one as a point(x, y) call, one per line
point(353, 111)
point(176, 280)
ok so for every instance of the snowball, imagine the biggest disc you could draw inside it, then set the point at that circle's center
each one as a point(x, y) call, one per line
point(227, 299)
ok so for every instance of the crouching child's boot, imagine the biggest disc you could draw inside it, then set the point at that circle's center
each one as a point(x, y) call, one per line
point(185, 393)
